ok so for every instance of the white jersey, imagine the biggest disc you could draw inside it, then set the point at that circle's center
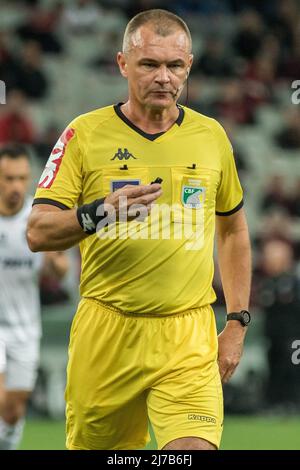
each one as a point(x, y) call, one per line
point(19, 270)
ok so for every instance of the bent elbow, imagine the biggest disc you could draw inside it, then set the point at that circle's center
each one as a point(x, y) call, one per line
point(33, 241)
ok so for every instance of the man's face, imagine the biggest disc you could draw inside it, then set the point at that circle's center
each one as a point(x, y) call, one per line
point(156, 67)
point(14, 181)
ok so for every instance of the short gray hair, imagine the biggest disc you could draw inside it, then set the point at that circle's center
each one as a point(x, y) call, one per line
point(163, 22)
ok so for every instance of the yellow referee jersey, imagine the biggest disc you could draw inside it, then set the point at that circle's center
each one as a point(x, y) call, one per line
point(165, 263)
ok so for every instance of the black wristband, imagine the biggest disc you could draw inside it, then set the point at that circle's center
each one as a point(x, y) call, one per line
point(88, 218)
point(243, 317)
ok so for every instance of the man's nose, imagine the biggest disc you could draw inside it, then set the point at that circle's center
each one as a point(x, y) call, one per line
point(18, 186)
point(163, 75)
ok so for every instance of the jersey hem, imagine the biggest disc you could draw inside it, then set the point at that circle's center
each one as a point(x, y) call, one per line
point(52, 202)
point(235, 209)
point(154, 314)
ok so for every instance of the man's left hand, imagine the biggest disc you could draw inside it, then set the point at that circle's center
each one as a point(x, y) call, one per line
point(231, 341)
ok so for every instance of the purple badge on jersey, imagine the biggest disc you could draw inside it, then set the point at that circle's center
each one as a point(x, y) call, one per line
point(118, 184)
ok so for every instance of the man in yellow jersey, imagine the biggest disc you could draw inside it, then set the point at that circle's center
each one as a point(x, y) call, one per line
point(143, 341)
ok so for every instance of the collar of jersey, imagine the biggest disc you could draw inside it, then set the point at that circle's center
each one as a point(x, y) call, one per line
point(119, 112)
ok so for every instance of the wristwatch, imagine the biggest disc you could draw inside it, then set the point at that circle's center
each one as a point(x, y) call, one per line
point(243, 317)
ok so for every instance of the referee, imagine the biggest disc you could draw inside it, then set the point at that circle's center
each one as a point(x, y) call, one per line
point(143, 341)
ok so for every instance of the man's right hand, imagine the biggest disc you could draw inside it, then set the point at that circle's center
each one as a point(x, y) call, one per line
point(127, 199)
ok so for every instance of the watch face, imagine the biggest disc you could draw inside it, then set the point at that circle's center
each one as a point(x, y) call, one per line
point(246, 317)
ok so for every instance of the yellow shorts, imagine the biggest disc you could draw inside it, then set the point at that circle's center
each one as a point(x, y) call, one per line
point(124, 369)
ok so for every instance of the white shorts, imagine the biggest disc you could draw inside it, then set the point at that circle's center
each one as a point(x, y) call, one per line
point(19, 362)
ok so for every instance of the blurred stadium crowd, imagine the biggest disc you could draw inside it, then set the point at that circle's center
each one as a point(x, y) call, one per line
point(57, 59)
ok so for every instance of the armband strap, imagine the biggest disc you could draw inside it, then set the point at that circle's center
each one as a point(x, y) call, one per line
point(87, 215)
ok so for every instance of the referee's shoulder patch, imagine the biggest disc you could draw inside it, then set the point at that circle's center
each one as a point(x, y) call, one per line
point(55, 159)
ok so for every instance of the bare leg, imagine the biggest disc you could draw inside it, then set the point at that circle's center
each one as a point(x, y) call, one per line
point(189, 443)
point(12, 418)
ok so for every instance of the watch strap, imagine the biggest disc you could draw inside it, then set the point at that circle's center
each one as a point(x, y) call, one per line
point(239, 316)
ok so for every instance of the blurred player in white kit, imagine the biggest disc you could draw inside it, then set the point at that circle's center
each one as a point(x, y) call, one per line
point(20, 324)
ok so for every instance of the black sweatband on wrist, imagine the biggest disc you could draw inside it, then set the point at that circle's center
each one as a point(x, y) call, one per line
point(87, 216)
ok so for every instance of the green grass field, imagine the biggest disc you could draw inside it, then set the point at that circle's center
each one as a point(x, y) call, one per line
point(247, 433)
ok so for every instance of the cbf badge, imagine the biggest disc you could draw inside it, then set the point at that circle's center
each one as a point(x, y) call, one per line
point(192, 197)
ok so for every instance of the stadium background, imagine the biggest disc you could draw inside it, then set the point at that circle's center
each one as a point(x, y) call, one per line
point(57, 59)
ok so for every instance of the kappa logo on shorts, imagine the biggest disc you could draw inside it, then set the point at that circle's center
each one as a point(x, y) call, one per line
point(207, 419)
point(55, 159)
point(192, 197)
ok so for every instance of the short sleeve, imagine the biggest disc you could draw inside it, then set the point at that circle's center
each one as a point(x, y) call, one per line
point(61, 180)
point(230, 193)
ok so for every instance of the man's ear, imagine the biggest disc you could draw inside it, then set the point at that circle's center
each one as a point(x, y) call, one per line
point(121, 59)
point(191, 58)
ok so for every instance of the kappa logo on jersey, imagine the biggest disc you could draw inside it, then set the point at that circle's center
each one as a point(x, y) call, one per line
point(192, 197)
point(55, 159)
point(123, 155)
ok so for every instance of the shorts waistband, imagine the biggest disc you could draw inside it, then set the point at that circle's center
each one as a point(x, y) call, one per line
point(120, 312)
